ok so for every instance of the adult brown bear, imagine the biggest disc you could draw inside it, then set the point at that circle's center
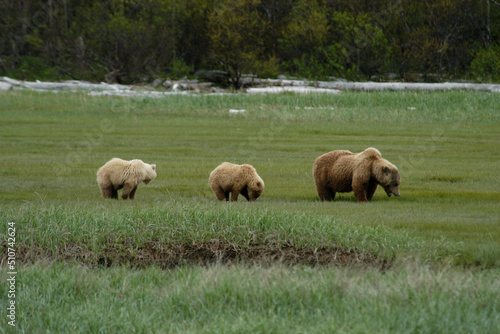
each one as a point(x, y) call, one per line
point(343, 171)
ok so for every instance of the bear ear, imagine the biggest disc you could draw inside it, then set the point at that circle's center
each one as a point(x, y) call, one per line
point(153, 166)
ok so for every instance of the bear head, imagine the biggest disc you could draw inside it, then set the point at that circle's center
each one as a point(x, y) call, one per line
point(150, 173)
point(388, 177)
point(255, 189)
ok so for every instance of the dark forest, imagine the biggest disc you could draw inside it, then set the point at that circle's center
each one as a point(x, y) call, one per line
point(136, 41)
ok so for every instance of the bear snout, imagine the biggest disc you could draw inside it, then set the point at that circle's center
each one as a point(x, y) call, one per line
point(391, 192)
point(395, 193)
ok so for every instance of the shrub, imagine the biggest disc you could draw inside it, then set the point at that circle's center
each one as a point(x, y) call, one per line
point(486, 64)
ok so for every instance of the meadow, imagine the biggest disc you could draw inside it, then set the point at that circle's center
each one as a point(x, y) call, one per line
point(177, 260)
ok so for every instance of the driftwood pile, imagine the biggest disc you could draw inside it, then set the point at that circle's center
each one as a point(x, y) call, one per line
point(213, 79)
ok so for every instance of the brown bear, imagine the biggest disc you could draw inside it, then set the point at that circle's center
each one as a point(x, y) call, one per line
point(117, 174)
point(236, 179)
point(344, 171)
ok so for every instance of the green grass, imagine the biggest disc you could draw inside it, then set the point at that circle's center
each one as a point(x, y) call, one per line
point(62, 299)
point(447, 148)
point(53, 145)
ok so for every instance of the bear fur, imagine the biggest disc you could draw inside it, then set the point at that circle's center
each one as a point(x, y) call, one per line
point(117, 174)
point(344, 171)
point(236, 179)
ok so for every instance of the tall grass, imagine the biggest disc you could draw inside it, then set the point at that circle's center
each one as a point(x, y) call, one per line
point(61, 298)
point(51, 230)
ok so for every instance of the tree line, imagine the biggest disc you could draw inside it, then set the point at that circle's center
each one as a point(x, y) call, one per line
point(130, 41)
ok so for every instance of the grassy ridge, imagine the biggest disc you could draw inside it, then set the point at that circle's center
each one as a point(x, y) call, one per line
point(113, 234)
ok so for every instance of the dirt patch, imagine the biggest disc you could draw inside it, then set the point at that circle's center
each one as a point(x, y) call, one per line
point(171, 255)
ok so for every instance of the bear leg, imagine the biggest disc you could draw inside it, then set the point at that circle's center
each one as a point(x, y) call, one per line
point(127, 189)
point(220, 194)
point(244, 192)
point(114, 193)
point(325, 193)
point(132, 193)
point(106, 191)
point(372, 186)
point(234, 194)
point(360, 193)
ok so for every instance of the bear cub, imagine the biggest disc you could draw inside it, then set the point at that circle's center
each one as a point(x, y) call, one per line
point(343, 171)
point(236, 179)
point(117, 174)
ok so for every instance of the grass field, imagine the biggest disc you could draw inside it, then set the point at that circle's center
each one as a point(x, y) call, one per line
point(176, 260)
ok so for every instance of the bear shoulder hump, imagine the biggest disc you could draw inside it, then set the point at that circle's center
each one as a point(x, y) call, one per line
point(371, 153)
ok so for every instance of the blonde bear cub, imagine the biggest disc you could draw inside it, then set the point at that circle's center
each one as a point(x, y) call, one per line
point(117, 174)
point(236, 179)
